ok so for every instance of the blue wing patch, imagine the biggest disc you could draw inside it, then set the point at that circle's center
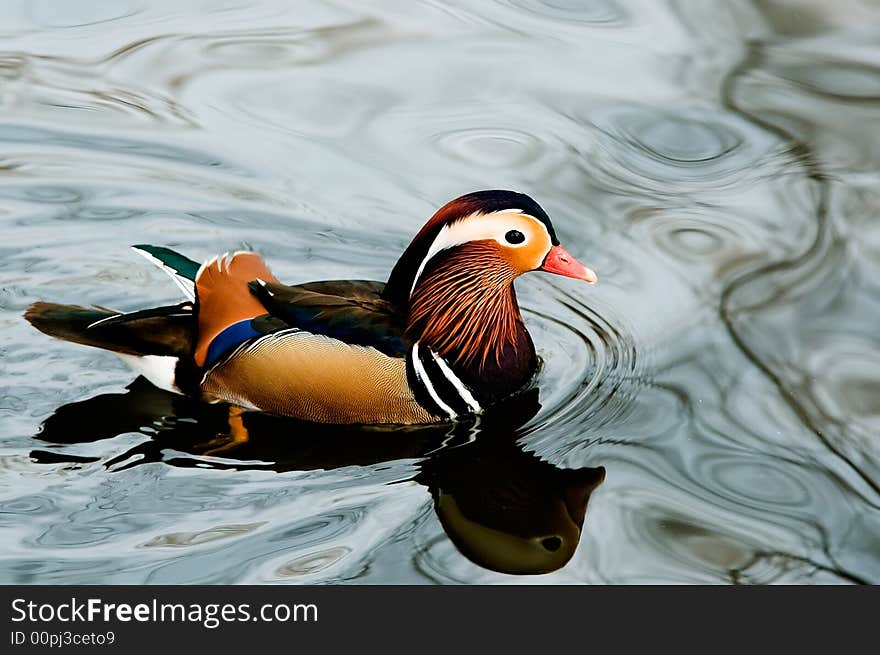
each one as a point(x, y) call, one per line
point(231, 338)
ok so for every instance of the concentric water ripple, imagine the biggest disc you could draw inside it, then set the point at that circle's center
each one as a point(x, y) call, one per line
point(764, 484)
point(588, 358)
point(667, 152)
point(490, 147)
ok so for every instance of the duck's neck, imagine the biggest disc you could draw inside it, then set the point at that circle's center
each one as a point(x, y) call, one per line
point(464, 309)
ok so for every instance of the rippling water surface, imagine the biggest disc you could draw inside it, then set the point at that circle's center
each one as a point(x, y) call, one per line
point(716, 397)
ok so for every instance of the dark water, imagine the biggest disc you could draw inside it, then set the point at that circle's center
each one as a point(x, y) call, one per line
point(715, 162)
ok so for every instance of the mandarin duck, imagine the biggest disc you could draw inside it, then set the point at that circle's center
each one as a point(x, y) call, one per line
point(443, 339)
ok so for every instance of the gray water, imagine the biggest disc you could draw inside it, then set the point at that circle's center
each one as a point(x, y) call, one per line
point(715, 162)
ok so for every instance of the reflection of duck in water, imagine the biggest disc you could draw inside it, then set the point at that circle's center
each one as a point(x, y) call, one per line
point(442, 339)
point(504, 508)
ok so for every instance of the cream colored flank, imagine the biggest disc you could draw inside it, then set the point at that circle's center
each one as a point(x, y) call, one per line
point(316, 378)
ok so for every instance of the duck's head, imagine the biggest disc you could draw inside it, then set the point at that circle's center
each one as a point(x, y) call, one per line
point(488, 238)
point(454, 282)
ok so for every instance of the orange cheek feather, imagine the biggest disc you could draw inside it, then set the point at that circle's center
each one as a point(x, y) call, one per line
point(527, 258)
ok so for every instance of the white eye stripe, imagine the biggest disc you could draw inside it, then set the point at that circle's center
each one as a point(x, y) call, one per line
point(493, 226)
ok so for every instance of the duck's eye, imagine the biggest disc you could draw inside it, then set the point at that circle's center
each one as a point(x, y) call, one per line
point(515, 236)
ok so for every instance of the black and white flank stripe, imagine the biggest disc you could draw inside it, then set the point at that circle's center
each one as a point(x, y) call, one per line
point(437, 387)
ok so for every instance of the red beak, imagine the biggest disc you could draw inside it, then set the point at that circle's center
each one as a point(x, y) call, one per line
point(560, 262)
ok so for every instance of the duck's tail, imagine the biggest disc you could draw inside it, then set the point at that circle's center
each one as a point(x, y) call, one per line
point(153, 342)
point(167, 331)
point(165, 344)
point(159, 331)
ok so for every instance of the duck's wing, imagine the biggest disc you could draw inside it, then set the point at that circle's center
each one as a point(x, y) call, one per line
point(351, 311)
point(238, 300)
